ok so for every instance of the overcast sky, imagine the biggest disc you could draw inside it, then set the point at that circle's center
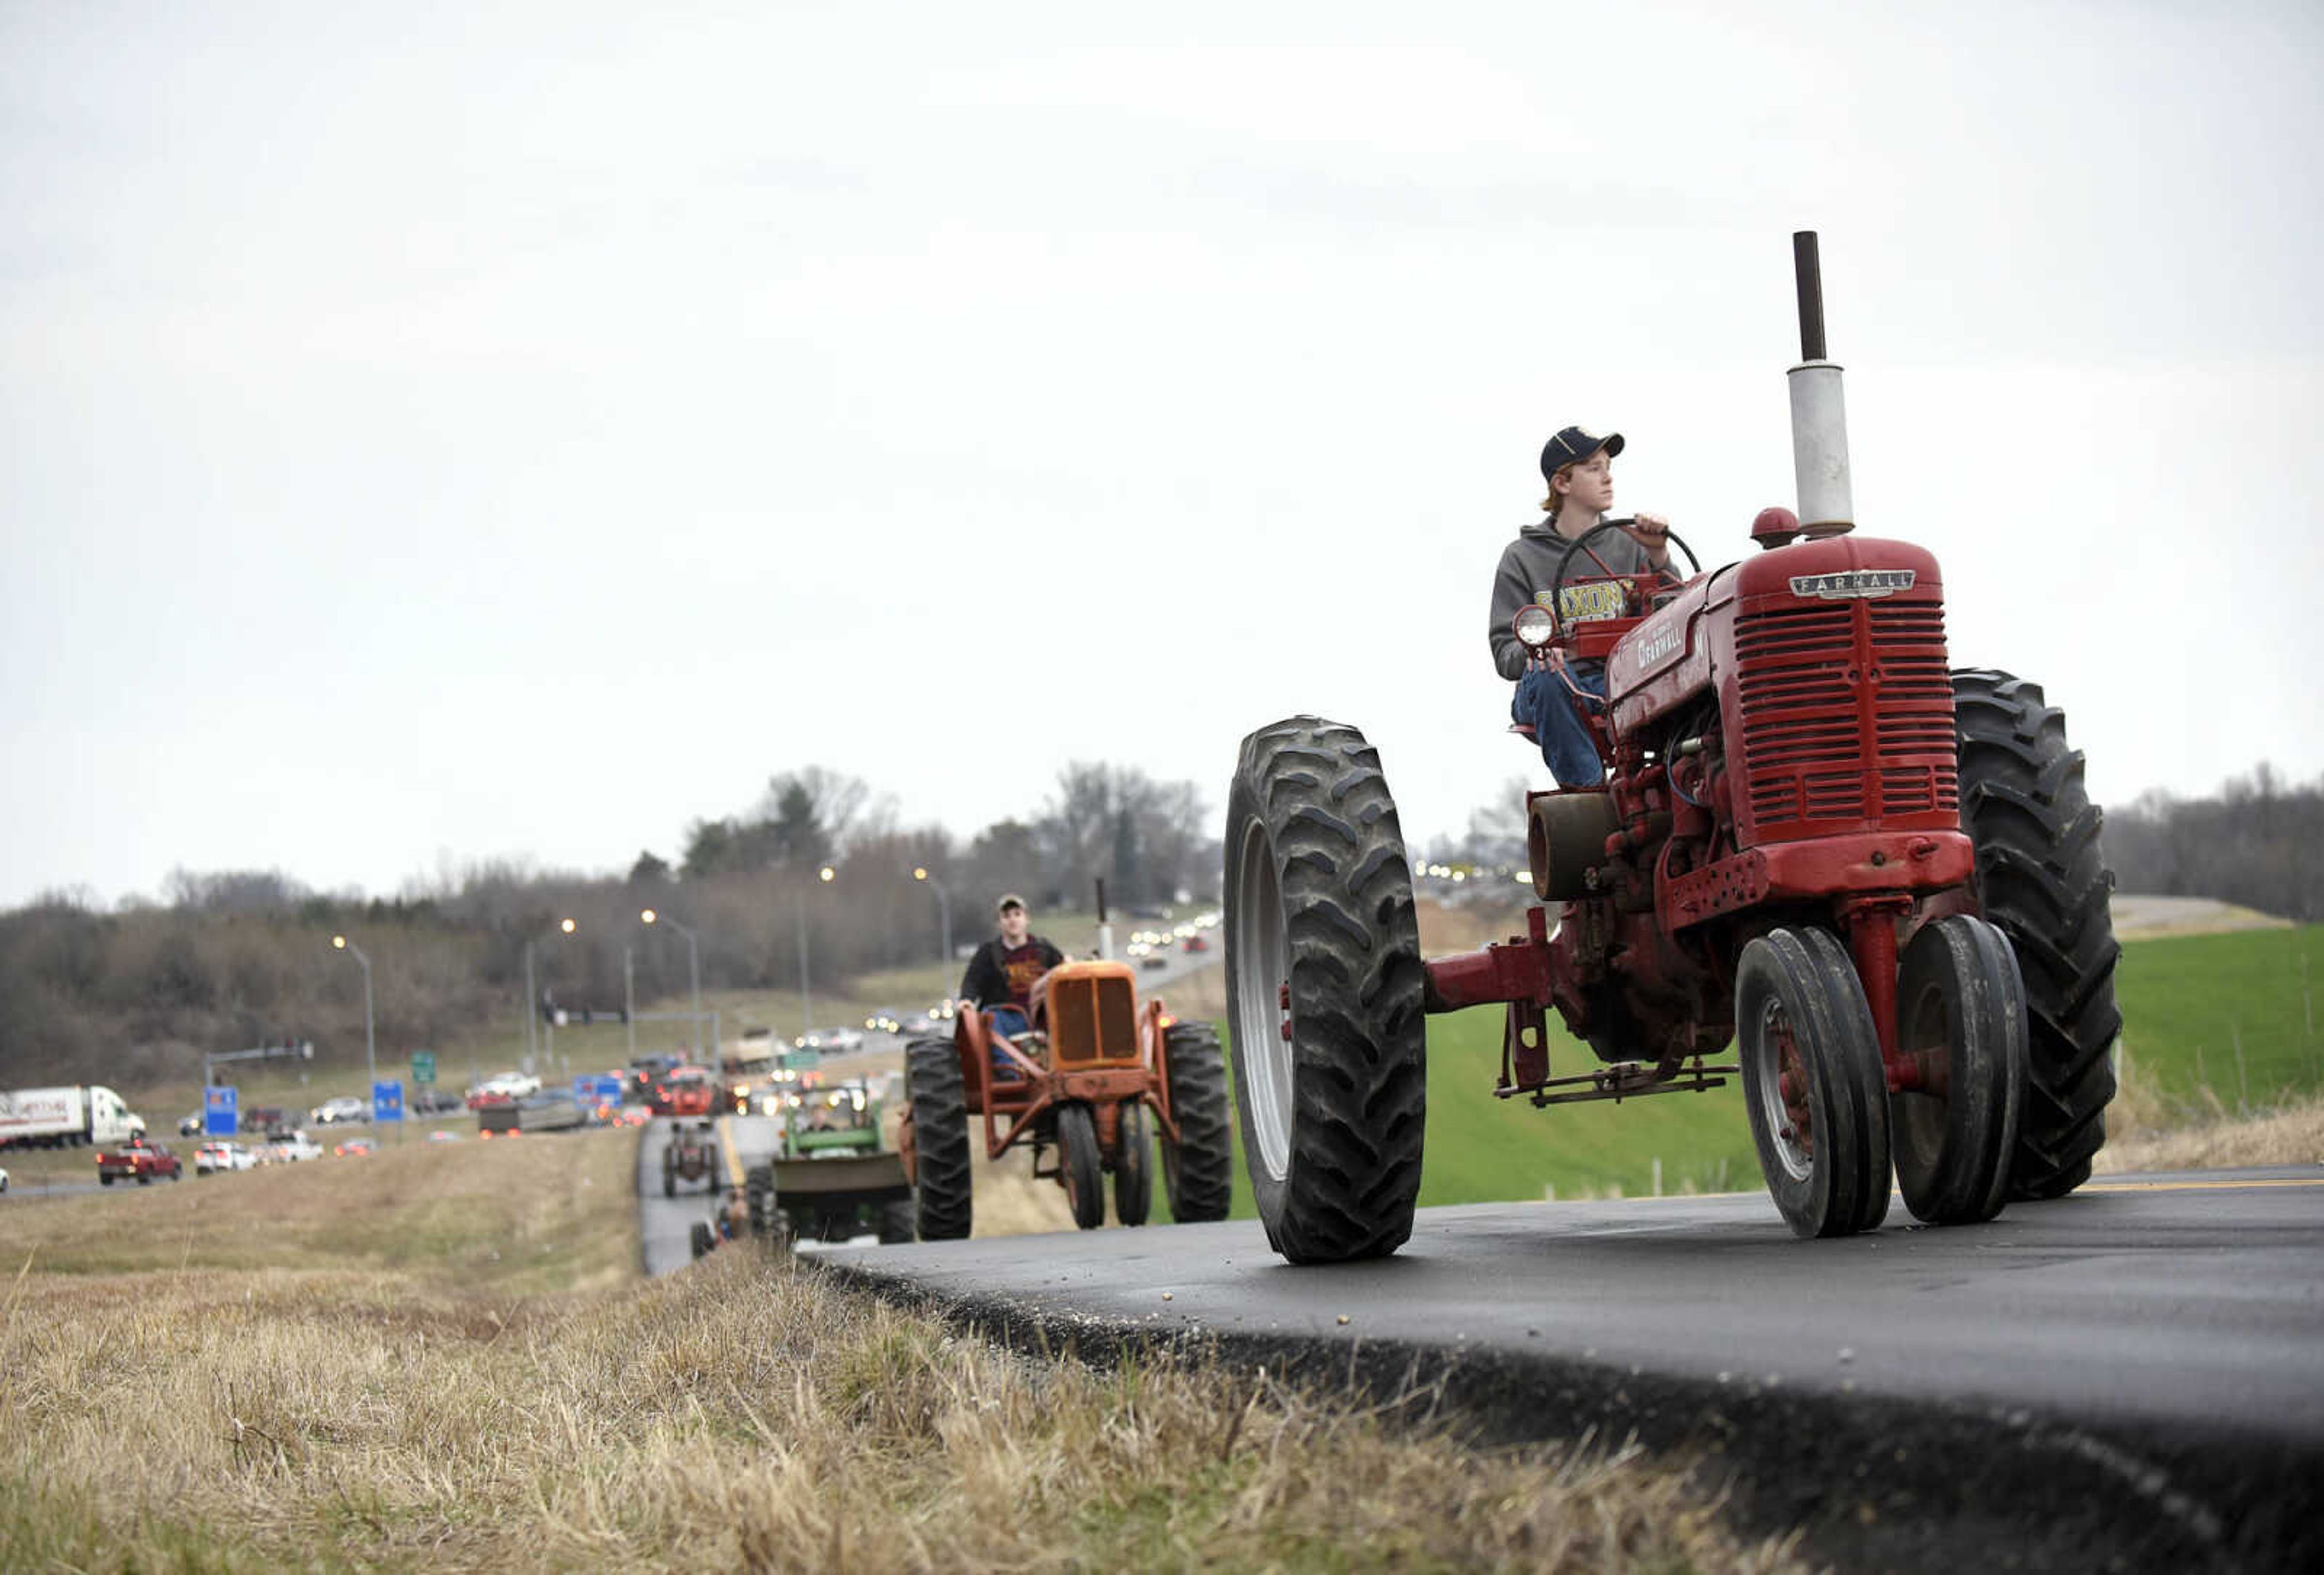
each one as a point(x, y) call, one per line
point(430, 434)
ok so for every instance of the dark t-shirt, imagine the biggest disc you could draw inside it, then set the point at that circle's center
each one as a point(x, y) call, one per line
point(1000, 972)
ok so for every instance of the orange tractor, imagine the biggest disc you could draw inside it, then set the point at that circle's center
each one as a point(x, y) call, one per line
point(1097, 1079)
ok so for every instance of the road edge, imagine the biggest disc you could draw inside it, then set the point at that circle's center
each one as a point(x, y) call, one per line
point(1869, 1481)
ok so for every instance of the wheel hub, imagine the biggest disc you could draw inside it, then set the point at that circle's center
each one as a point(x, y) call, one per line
point(1262, 1003)
point(1783, 1098)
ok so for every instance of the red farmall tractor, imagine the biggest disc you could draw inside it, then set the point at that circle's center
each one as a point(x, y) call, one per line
point(1097, 1081)
point(1878, 878)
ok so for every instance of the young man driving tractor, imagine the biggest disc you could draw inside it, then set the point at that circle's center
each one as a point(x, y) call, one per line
point(1579, 469)
point(1001, 975)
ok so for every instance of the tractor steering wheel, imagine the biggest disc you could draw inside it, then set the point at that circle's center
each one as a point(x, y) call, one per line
point(1582, 544)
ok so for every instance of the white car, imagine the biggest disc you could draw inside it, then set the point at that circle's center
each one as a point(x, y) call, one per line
point(509, 1085)
point(289, 1150)
point(345, 1108)
point(212, 1157)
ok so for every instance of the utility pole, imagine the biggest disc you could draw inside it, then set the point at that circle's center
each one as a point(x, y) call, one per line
point(630, 998)
point(943, 909)
point(371, 1056)
point(807, 994)
point(693, 973)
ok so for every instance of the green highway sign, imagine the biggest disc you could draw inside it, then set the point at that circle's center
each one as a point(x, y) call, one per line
point(423, 1066)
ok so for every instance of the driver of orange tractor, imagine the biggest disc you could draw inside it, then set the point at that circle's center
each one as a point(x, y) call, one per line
point(1001, 975)
point(1580, 471)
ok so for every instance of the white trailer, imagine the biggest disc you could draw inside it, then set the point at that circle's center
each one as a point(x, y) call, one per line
point(57, 1118)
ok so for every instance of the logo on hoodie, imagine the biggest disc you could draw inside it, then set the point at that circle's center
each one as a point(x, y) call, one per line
point(1586, 602)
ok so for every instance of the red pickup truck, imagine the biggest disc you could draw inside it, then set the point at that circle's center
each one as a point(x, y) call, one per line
point(139, 1157)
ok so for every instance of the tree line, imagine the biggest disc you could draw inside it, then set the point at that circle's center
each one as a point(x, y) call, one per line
point(231, 960)
point(2258, 843)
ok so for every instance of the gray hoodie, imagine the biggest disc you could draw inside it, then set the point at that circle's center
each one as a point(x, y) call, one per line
point(1527, 570)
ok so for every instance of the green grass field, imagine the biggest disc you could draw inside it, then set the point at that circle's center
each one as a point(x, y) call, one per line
point(1480, 1149)
point(2235, 1013)
point(2187, 1003)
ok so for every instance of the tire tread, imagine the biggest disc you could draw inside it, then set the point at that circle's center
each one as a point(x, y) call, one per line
point(2043, 881)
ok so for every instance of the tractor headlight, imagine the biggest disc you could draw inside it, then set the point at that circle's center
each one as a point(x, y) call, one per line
point(1534, 625)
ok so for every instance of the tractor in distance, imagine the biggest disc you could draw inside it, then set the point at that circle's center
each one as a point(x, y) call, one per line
point(691, 1154)
point(832, 1176)
point(1878, 878)
point(1096, 1080)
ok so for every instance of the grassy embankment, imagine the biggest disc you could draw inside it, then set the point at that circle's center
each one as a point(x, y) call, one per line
point(442, 1357)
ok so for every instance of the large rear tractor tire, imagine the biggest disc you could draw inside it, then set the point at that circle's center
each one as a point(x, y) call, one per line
point(942, 1189)
point(1960, 1012)
point(1323, 985)
point(1198, 1170)
point(1082, 1165)
point(2042, 882)
point(1813, 1082)
point(1133, 1171)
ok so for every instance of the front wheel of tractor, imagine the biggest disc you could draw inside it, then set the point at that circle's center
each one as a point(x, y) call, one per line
point(1813, 1082)
point(1082, 1167)
point(1960, 1014)
point(1133, 1171)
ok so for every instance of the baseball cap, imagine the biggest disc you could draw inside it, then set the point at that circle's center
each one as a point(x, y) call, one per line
point(1008, 901)
point(1574, 445)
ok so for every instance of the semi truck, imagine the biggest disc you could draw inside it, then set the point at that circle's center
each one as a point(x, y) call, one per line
point(62, 1117)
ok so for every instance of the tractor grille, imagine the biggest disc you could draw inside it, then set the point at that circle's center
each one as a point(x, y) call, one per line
point(1092, 1019)
point(1848, 715)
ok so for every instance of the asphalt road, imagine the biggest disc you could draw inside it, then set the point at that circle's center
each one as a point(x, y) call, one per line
point(665, 1225)
point(2135, 1373)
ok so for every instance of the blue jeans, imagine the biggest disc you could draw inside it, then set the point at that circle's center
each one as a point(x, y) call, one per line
point(1011, 1021)
point(1545, 702)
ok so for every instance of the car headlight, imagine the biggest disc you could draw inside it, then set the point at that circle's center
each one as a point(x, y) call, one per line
point(1534, 625)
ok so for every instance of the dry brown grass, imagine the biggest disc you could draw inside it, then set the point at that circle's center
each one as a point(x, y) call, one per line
point(2292, 1134)
point(2145, 1132)
point(301, 1408)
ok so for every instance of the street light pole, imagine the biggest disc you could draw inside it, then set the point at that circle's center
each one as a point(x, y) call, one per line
point(806, 1000)
point(630, 998)
point(693, 972)
point(536, 1054)
point(806, 995)
point(943, 909)
point(371, 1057)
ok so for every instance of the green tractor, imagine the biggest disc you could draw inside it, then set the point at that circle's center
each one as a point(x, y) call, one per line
point(832, 1176)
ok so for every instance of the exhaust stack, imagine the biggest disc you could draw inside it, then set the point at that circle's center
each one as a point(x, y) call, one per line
point(1819, 410)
